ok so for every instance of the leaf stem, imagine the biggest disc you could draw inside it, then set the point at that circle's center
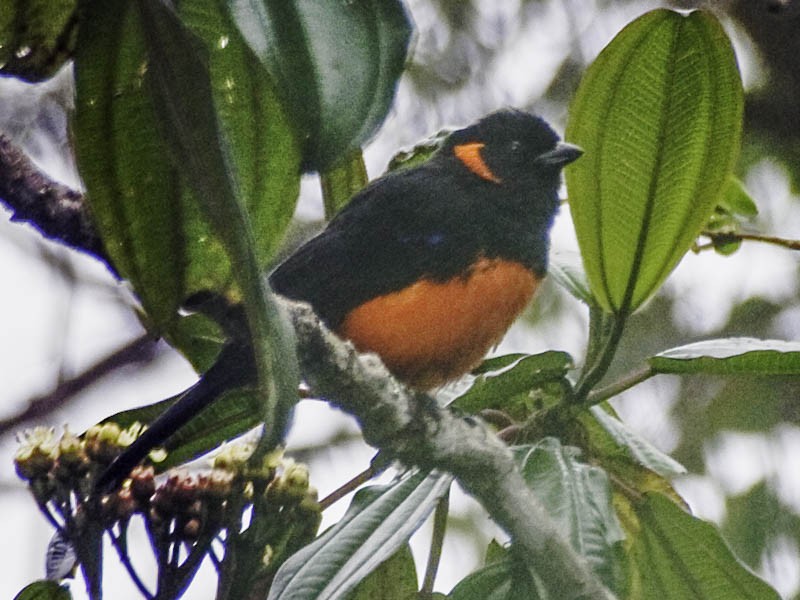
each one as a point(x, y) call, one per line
point(602, 361)
point(348, 487)
point(437, 542)
point(186, 572)
point(600, 326)
point(340, 183)
point(723, 238)
point(232, 524)
point(626, 382)
point(121, 546)
point(45, 510)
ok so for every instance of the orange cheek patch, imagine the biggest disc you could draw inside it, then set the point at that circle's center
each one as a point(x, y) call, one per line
point(432, 332)
point(470, 155)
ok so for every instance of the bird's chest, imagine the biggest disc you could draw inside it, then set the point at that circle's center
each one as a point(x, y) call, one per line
point(432, 332)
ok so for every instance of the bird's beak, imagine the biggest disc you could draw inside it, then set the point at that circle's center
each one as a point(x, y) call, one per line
point(561, 155)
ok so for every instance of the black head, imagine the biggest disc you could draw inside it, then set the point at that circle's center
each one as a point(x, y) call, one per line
point(512, 148)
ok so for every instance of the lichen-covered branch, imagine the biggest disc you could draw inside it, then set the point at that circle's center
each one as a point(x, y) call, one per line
point(57, 211)
point(138, 351)
point(413, 428)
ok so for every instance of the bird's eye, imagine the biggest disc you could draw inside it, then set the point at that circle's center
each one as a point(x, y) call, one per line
point(516, 146)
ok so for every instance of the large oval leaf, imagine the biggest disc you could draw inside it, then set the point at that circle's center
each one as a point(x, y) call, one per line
point(677, 556)
point(659, 115)
point(501, 580)
point(36, 37)
point(44, 590)
point(336, 65)
point(731, 356)
point(379, 521)
point(191, 168)
point(154, 227)
point(134, 193)
point(524, 384)
point(578, 498)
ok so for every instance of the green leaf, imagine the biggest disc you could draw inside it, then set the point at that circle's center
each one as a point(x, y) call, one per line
point(495, 552)
point(578, 498)
point(340, 183)
point(153, 228)
point(192, 170)
point(262, 149)
point(731, 356)
point(638, 448)
point(420, 152)
point(737, 200)
point(36, 37)
point(677, 556)
point(44, 590)
point(519, 389)
point(395, 579)
point(501, 580)
point(336, 65)
point(659, 116)
point(135, 195)
point(634, 466)
point(498, 363)
point(379, 521)
point(567, 271)
point(181, 88)
point(200, 339)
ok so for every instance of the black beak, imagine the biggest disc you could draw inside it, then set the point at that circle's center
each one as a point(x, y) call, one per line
point(561, 155)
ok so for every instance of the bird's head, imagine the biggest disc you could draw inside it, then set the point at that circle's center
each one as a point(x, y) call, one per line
point(512, 148)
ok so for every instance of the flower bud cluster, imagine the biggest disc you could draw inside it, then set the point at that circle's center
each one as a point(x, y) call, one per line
point(65, 464)
point(182, 507)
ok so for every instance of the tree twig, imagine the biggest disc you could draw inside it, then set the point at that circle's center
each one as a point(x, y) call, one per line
point(719, 238)
point(57, 211)
point(140, 350)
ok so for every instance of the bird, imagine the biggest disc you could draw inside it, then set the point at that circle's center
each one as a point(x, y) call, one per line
point(430, 265)
point(427, 266)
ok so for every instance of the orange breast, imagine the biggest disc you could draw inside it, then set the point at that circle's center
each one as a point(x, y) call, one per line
point(433, 332)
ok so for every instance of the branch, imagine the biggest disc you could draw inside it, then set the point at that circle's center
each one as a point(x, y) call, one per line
point(719, 238)
point(57, 211)
point(411, 427)
point(137, 351)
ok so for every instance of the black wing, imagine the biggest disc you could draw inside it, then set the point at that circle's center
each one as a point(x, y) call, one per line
point(401, 228)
